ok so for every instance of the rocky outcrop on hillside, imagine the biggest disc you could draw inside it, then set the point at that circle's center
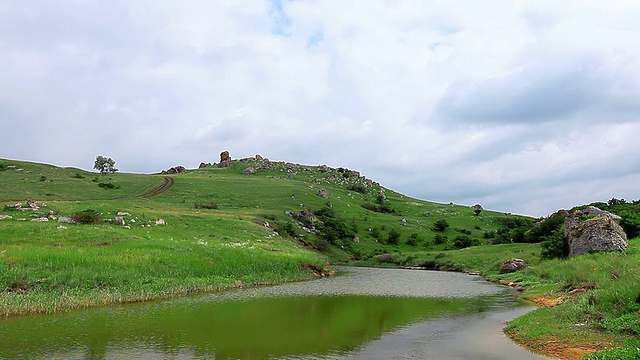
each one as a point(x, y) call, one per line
point(174, 170)
point(593, 230)
point(225, 159)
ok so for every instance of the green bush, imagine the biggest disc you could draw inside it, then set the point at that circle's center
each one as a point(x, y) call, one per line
point(43, 178)
point(544, 229)
point(414, 239)
point(556, 245)
point(286, 229)
point(384, 208)
point(333, 228)
point(441, 225)
point(78, 176)
point(464, 241)
point(108, 185)
point(440, 239)
point(630, 223)
point(361, 188)
point(394, 237)
point(88, 216)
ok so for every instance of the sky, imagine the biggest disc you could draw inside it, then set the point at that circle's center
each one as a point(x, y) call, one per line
point(524, 107)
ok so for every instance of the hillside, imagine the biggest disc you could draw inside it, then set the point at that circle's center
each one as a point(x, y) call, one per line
point(260, 222)
point(201, 229)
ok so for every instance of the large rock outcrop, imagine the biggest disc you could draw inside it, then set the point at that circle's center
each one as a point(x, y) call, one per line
point(592, 230)
point(225, 159)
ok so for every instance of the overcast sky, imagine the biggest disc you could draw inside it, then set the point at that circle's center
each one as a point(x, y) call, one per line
point(521, 106)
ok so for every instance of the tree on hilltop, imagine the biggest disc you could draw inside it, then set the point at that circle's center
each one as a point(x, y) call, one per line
point(105, 165)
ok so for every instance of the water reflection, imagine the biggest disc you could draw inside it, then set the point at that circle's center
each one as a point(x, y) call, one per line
point(365, 313)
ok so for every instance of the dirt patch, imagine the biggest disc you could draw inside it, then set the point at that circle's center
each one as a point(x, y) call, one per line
point(562, 351)
point(547, 302)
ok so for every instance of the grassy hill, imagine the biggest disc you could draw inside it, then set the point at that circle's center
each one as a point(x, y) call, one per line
point(215, 228)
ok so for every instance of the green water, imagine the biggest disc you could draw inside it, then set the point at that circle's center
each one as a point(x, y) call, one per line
point(336, 318)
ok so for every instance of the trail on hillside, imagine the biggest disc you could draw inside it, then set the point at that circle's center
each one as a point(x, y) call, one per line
point(168, 183)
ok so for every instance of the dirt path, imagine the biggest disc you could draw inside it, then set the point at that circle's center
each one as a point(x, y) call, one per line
point(168, 183)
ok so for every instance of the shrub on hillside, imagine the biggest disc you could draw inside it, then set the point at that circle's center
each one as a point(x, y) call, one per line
point(286, 229)
point(88, 216)
point(361, 188)
point(333, 228)
point(440, 239)
point(441, 225)
point(209, 206)
point(108, 185)
point(376, 233)
point(543, 229)
point(3, 166)
point(394, 237)
point(383, 208)
point(464, 241)
point(630, 223)
point(556, 245)
point(414, 239)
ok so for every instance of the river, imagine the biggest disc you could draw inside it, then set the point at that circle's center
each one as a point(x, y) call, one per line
point(362, 313)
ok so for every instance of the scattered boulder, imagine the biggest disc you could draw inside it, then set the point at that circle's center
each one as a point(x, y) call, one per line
point(67, 220)
point(40, 219)
point(225, 159)
point(123, 213)
point(323, 168)
point(593, 234)
point(323, 193)
point(3, 217)
point(118, 220)
point(174, 170)
point(249, 171)
point(306, 217)
point(259, 157)
point(204, 165)
point(356, 239)
point(160, 222)
point(512, 265)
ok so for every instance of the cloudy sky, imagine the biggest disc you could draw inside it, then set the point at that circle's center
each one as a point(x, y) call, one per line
point(521, 106)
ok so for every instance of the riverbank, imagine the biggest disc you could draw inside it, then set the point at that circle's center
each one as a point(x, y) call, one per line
point(51, 268)
point(586, 304)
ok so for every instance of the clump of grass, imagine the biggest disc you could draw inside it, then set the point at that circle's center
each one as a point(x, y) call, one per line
point(626, 353)
point(108, 185)
point(78, 176)
point(209, 206)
